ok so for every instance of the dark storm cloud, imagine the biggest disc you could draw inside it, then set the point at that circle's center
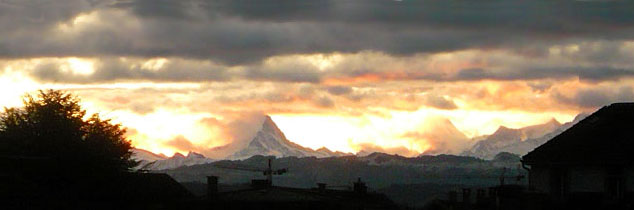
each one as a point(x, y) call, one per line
point(112, 69)
point(27, 15)
point(243, 31)
point(584, 73)
point(158, 8)
point(597, 97)
point(539, 16)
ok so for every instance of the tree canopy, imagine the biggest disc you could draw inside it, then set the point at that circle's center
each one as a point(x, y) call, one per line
point(53, 125)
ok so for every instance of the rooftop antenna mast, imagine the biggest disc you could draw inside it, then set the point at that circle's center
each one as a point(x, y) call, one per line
point(268, 172)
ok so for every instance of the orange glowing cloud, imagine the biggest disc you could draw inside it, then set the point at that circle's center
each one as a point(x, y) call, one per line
point(393, 106)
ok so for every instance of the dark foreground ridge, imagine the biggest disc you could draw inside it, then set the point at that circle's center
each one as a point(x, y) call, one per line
point(38, 183)
point(262, 195)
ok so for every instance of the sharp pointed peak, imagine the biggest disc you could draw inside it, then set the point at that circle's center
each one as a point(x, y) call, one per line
point(268, 123)
point(267, 120)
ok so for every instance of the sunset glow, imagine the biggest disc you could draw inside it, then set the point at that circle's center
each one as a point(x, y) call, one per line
point(340, 118)
point(399, 81)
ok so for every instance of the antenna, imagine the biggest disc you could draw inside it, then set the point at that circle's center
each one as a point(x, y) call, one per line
point(268, 172)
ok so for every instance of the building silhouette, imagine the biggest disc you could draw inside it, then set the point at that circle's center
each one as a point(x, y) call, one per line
point(264, 195)
point(589, 165)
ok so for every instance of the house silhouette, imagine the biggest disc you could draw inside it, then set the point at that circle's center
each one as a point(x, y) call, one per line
point(591, 164)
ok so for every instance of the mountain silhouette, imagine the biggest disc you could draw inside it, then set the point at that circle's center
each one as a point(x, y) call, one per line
point(518, 141)
point(271, 141)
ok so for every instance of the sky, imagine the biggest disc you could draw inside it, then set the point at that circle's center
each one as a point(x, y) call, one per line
point(405, 77)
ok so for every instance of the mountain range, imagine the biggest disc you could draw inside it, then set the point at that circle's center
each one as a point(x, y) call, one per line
point(434, 174)
point(268, 141)
point(271, 141)
point(518, 141)
point(150, 161)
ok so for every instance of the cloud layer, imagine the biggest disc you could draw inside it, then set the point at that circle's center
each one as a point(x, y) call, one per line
point(244, 31)
point(214, 67)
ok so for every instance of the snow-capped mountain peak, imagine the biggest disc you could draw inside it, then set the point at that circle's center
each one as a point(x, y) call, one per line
point(271, 141)
point(518, 141)
point(144, 155)
point(161, 162)
point(270, 127)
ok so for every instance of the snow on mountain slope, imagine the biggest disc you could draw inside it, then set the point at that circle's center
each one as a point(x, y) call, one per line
point(330, 153)
point(503, 137)
point(150, 161)
point(528, 145)
point(518, 141)
point(144, 155)
point(444, 138)
point(270, 141)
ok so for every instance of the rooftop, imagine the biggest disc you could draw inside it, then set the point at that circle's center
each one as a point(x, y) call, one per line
point(604, 137)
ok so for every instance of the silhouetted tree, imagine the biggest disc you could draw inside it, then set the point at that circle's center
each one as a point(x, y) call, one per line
point(53, 125)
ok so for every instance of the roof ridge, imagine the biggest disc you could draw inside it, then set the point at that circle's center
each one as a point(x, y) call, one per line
point(592, 139)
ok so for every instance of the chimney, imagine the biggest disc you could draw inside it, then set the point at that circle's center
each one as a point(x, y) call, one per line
point(212, 187)
point(360, 187)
